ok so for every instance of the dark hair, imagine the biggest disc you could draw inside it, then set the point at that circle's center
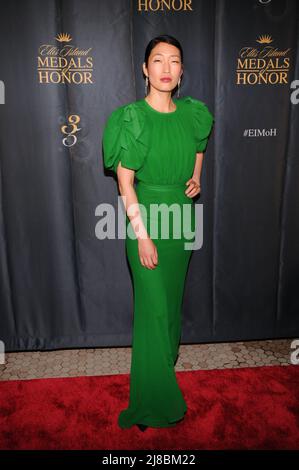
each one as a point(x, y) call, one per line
point(162, 38)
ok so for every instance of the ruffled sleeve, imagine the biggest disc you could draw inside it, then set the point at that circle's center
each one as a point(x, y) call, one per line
point(203, 122)
point(124, 138)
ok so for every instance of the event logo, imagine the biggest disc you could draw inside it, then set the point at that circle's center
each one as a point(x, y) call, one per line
point(161, 5)
point(265, 64)
point(70, 130)
point(64, 63)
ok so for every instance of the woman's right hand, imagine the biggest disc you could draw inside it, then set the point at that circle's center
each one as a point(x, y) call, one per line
point(148, 253)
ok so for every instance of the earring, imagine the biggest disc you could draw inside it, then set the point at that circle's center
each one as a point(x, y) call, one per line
point(146, 86)
point(179, 83)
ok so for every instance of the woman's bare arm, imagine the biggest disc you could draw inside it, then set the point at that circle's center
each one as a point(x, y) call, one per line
point(198, 167)
point(194, 182)
point(146, 248)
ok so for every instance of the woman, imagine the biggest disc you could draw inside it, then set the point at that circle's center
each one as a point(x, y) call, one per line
point(160, 141)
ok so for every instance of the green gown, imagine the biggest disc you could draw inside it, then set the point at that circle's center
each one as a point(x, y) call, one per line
point(161, 148)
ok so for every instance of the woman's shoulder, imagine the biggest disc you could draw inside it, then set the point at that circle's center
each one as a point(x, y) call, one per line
point(198, 108)
point(202, 120)
point(129, 116)
point(121, 111)
point(193, 103)
point(125, 137)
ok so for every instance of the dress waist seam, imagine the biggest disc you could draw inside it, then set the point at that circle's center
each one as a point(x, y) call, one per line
point(160, 187)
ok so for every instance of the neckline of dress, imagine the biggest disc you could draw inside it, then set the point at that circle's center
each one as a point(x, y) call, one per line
point(161, 112)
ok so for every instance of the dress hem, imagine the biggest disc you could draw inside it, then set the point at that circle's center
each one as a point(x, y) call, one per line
point(155, 424)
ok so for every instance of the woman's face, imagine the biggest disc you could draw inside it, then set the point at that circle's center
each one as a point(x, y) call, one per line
point(164, 62)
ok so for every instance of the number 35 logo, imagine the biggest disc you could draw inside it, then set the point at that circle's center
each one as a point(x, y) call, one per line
point(70, 130)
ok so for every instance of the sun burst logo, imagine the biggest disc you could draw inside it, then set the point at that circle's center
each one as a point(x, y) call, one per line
point(63, 37)
point(265, 39)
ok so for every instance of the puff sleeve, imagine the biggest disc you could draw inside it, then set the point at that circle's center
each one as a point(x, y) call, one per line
point(203, 122)
point(124, 138)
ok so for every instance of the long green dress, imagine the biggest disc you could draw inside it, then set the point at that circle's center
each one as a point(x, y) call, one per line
point(161, 148)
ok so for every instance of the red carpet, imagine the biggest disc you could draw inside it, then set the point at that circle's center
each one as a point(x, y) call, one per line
point(247, 408)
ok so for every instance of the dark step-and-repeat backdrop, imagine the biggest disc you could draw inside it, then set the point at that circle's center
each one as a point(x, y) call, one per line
point(64, 67)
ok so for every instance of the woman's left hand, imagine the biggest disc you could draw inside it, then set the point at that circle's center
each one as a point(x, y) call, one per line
point(194, 187)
